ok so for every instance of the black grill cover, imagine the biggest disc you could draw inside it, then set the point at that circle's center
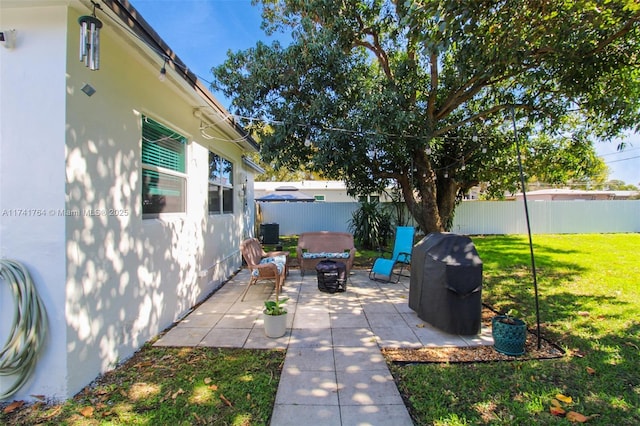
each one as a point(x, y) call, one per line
point(446, 283)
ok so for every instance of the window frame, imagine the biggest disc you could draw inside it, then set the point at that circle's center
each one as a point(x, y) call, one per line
point(167, 164)
point(223, 180)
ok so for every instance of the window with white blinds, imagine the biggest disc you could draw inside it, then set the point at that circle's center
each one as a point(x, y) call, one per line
point(163, 169)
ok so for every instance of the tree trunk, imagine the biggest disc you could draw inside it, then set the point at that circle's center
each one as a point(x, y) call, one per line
point(447, 195)
point(425, 209)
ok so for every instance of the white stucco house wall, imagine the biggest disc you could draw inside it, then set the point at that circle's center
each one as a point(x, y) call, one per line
point(119, 246)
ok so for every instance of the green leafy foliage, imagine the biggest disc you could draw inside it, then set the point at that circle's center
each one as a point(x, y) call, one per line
point(275, 307)
point(370, 225)
point(421, 93)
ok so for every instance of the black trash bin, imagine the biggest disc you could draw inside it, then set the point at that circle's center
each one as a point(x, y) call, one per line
point(269, 233)
point(446, 283)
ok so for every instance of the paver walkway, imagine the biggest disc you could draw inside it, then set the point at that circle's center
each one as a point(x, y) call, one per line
point(334, 372)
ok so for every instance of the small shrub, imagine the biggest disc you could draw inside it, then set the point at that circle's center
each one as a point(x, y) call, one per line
point(370, 225)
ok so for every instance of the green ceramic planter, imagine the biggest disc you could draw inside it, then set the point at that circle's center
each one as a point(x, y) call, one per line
point(508, 338)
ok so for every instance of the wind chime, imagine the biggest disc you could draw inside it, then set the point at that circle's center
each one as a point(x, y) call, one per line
point(90, 39)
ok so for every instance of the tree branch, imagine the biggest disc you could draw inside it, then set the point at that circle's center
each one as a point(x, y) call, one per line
point(618, 34)
point(482, 114)
point(433, 93)
point(374, 47)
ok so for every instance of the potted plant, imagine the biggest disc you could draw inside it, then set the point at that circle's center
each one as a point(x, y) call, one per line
point(275, 317)
point(509, 334)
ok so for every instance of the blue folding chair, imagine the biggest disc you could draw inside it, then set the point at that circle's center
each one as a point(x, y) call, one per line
point(382, 269)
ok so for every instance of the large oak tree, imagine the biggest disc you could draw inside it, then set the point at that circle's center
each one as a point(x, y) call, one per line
point(422, 93)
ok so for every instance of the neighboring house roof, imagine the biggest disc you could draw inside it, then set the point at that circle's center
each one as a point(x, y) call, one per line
point(134, 22)
point(575, 194)
point(309, 185)
point(287, 193)
point(323, 190)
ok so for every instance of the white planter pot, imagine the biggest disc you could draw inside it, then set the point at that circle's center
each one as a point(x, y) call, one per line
point(275, 325)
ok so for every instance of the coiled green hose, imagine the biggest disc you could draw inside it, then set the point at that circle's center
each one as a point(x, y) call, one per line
point(28, 330)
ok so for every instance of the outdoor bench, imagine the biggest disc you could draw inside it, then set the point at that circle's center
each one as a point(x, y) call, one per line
point(313, 247)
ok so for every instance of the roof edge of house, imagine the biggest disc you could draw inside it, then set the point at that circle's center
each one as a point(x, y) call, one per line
point(142, 29)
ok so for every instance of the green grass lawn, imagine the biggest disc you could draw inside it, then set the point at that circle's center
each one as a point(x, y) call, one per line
point(171, 386)
point(589, 292)
point(589, 299)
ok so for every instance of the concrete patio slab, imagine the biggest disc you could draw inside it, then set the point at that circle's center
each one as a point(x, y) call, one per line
point(350, 337)
point(375, 415)
point(334, 372)
point(310, 338)
point(309, 359)
point(258, 340)
point(375, 387)
point(308, 388)
point(348, 320)
point(226, 337)
point(200, 319)
point(183, 336)
point(354, 359)
point(316, 415)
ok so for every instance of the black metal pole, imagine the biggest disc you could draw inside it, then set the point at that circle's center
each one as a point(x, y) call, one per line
point(526, 212)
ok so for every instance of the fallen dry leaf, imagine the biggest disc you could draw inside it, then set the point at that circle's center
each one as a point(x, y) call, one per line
point(176, 393)
point(225, 400)
point(420, 325)
point(583, 313)
point(591, 371)
point(54, 413)
point(574, 417)
point(555, 403)
point(576, 353)
point(39, 397)
point(563, 398)
point(207, 380)
point(13, 407)
point(87, 411)
point(557, 411)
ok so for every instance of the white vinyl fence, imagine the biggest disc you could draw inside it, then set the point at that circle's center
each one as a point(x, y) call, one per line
point(475, 217)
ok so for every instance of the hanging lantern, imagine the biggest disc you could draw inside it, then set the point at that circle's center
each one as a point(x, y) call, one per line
point(90, 40)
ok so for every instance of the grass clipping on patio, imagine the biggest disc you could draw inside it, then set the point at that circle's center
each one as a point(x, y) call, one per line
point(474, 354)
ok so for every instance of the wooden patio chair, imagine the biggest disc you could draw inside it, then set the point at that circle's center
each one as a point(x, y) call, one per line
point(263, 265)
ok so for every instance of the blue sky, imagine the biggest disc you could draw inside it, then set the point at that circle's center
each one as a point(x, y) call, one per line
point(202, 31)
